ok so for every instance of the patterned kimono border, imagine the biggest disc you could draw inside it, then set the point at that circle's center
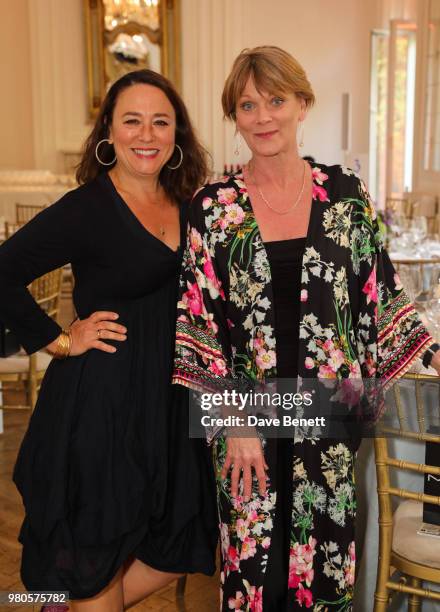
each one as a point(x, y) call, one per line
point(400, 360)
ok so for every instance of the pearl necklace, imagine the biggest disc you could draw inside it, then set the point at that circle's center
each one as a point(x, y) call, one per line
point(288, 210)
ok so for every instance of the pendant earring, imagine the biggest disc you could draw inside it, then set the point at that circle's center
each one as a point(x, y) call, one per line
point(237, 149)
point(300, 135)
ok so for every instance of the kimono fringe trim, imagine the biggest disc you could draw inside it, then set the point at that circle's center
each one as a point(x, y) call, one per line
point(196, 378)
point(184, 379)
point(406, 346)
point(397, 372)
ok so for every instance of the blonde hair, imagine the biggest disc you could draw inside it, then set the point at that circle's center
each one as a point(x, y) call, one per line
point(272, 69)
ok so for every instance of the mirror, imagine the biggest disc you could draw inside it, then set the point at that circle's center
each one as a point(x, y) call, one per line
point(431, 143)
point(127, 35)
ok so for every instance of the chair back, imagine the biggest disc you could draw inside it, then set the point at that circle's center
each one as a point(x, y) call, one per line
point(46, 291)
point(26, 212)
point(426, 205)
point(416, 389)
point(398, 203)
point(11, 228)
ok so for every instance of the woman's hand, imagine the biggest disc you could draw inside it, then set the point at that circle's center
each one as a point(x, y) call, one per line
point(89, 333)
point(243, 454)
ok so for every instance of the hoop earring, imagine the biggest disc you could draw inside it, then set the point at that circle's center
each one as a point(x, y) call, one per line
point(181, 158)
point(237, 149)
point(301, 135)
point(97, 156)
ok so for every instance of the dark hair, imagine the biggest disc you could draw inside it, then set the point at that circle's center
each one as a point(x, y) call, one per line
point(179, 184)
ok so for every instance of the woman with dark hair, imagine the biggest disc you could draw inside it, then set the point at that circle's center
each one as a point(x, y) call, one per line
point(112, 486)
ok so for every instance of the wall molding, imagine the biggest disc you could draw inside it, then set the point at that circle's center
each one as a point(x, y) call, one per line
point(424, 180)
point(43, 84)
point(58, 81)
point(213, 33)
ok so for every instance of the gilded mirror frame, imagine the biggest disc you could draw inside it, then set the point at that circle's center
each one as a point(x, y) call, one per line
point(167, 37)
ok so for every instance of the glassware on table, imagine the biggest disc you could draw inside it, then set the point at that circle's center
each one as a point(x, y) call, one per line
point(418, 228)
point(434, 284)
point(411, 280)
point(398, 223)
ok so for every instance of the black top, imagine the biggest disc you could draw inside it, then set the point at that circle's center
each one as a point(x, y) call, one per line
point(285, 259)
point(106, 469)
point(110, 251)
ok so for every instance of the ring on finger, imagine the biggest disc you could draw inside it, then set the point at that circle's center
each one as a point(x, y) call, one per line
point(99, 334)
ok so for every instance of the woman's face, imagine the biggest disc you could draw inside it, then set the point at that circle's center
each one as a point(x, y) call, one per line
point(269, 122)
point(143, 130)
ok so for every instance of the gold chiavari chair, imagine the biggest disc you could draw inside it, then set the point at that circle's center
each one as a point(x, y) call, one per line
point(426, 205)
point(399, 203)
point(26, 212)
point(401, 548)
point(11, 228)
point(67, 280)
point(24, 372)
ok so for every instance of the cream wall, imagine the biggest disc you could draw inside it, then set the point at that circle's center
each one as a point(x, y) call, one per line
point(59, 80)
point(331, 43)
point(17, 150)
point(335, 56)
point(396, 9)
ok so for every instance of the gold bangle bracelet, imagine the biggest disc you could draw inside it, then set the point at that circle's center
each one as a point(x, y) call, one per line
point(64, 344)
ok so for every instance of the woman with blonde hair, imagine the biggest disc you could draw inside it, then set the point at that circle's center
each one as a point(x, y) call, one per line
point(285, 275)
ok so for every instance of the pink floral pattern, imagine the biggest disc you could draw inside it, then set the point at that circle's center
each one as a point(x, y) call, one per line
point(356, 321)
point(370, 287)
point(319, 177)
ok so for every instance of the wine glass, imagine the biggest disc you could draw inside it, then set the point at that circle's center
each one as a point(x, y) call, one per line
point(434, 284)
point(398, 223)
point(419, 228)
point(411, 280)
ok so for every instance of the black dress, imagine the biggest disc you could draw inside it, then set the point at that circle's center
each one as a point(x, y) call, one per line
point(285, 259)
point(106, 469)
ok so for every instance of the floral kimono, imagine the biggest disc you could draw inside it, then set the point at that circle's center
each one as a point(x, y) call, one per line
point(356, 321)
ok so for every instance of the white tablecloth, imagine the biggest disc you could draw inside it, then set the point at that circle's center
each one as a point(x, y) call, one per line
point(36, 195)
point(32, 195)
